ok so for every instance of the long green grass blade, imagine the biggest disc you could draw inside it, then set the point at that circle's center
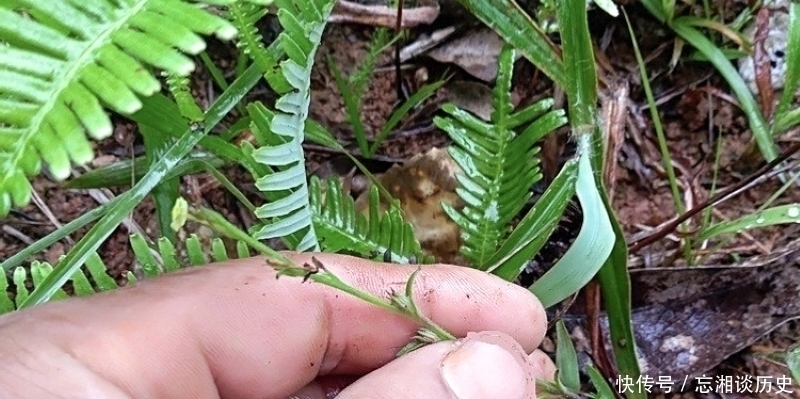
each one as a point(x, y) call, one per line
point(616, 287)
point(43, 243)
point(127, 172)
point(89, 244)
point(98, 234)
point(792, 77)
point(610, 247)
point(783, 214)
point(748, 103)
point(164, 194)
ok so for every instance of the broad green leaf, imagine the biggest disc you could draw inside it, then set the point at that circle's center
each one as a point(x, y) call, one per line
point(588, 252)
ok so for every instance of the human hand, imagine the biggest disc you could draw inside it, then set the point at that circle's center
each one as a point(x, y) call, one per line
point(235, 331)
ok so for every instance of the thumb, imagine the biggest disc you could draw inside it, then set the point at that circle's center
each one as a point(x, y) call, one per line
point(481, 366)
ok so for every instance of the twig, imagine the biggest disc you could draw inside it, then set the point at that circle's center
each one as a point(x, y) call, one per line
point(635, 246)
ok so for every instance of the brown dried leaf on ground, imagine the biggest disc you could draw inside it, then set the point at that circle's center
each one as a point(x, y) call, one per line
point(476, 52)
point(470, 96)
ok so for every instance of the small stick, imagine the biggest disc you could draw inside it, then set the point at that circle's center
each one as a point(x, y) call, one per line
point(398, 70)
point(724, 195)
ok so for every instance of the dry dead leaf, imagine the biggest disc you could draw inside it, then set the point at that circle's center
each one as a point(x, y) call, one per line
point(470, 96)
point(773, 42)
point(476, 52)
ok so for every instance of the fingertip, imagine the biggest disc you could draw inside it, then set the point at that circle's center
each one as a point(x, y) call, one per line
point(543, 366)
point(497, 305)
point(489, 365)
point(483, 365)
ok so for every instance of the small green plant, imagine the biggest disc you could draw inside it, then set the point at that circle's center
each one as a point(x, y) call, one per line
point(567, 383)
point(500, 168)
point(763, 127)
point(353, 88)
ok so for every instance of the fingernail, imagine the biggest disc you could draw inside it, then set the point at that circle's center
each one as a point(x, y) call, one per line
point(488, 365)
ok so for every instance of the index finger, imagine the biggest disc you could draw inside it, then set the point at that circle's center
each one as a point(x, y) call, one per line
point(239, 331)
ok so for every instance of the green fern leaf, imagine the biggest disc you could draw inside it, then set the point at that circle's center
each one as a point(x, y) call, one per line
point(244, 18)
point(6, 304)
point(153, 264)
point(62, 61)
point(345, 230)
point(289, 214)
point(499, 166)
point(38, 271)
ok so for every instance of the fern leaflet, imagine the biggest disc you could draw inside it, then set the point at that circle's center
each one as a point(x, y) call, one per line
point(303, 24)
point(344, 230)
point(499, 166)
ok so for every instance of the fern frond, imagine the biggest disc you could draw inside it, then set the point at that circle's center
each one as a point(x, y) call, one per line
point(303, 24)
point(152, 265)
point(40, 270)
point(343, 229)
point(499, 166)
point(182, 93)
point(244, 18)
point(62, 61)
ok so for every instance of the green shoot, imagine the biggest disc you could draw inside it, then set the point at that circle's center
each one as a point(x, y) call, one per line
point(353, 88)
point(663, 147)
